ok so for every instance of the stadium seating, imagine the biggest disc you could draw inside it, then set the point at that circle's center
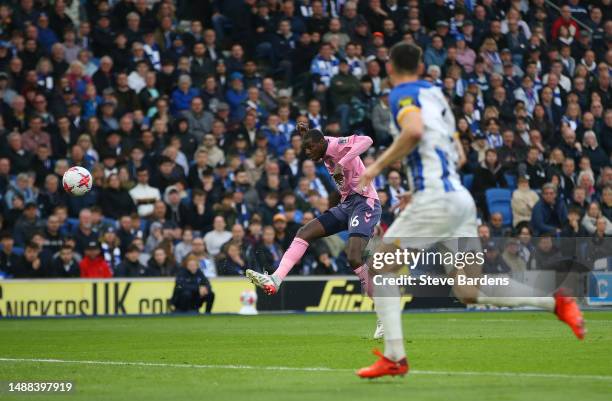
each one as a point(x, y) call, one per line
point(498, 200)
point(110, 222)
point(511, 180)
point(73, 223)
point(468, 181)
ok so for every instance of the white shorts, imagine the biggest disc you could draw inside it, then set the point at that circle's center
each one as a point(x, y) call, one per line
point(434, 217)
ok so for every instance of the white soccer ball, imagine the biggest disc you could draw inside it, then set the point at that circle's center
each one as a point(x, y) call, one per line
point(77, 181)
point(248, 298)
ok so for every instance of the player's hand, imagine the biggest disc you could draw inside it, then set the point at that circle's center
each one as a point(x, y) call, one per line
point(368, 176)
point(203, 291)
point(338, 175)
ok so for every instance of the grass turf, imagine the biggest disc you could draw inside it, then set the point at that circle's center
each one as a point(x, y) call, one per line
point(510, 342)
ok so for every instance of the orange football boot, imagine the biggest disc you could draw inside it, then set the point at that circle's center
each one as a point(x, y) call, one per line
point(384, 367)
point(568, 311)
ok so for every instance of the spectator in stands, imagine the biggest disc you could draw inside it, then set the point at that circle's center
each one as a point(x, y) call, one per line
point(192, 289)
point(497, 226)
point(267, 252)
point(53, 235)
point(52, 196)
point(606, 202)
point(35, 136)
point(546, 256)
point(325, 65)
point(199, 119)
point(597, 247)
point(217, 237)
point(594, 152)
point(325, 265)
point(30, 264)
point(488, 175)
point(9, 260)
point(565, 20)
point(534, 169)
point(573, 228)
point(183, 248)
point(131, 266)
point(568, 178)
point(493, 263)
point(550, 213)
point(161, 263)
point(110, 246)
point(64, 264)
point(27, 224)
point(143, 195)
point(176, 212)
point(579, 201)
point(84, 233)
point(523, 201)
point(93, 264)
point(205, 261)
point(233, 264)
point(512, 258)
point(591, 218)
point(394, 189)
point(586, 179)
point(22, 187)
point(510, 153)
point(343, 87)
point(435, 54)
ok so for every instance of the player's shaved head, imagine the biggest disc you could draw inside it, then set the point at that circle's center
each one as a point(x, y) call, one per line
point(313, 135)
point(314, 145)
point(405, 58)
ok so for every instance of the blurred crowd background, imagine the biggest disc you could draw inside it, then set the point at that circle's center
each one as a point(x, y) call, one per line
point(185, 114)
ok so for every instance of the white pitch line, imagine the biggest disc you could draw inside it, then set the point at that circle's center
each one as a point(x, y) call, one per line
point(307, 369)
point(171, 365)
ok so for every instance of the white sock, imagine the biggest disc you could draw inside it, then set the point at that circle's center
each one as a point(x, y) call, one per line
point(547, 303)
point(388, 308)
point(515, 294)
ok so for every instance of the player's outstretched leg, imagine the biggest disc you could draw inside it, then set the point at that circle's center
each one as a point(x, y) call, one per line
point(561, 304)
point(387, 300)
point(354, 252)
point(355, 255)
point(305, 235)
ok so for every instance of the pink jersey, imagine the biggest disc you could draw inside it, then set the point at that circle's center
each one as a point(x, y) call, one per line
point(345, 151)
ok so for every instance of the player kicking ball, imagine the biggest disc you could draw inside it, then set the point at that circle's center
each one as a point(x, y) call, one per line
point(359, 210)
point(441, 208)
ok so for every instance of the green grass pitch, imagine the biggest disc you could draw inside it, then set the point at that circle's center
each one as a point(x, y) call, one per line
point(454, 356)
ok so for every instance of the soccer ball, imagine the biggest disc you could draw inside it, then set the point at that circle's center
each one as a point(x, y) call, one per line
point(248, 299)
point(77, 181)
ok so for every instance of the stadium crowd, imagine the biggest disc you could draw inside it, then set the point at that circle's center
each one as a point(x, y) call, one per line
point(185, 114)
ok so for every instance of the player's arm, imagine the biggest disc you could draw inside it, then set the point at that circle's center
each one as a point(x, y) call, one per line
point(411, 122)
point(356, 146)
